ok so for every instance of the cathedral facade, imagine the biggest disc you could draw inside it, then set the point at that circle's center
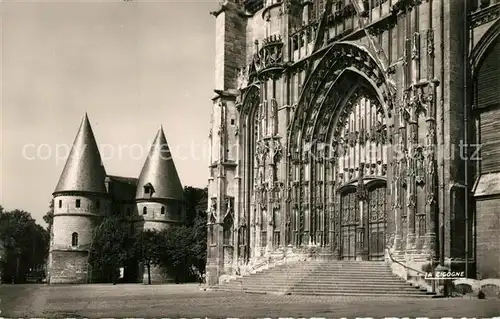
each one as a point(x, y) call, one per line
point(354, 129)
point(85, 194)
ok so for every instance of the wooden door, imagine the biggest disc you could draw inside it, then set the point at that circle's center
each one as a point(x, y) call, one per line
point(377, 222)
point(349, 219)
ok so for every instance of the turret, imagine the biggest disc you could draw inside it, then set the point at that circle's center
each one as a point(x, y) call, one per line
point(159, 195)
point(80, 199)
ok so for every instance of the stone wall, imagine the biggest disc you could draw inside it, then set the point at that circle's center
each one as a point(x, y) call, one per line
point(68, 267)
point(488, 238)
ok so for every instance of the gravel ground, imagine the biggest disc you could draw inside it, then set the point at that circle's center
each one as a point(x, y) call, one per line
point(173, 301)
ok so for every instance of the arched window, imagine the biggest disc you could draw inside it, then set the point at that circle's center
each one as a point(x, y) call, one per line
point(74, 239)
point(145, 211)
point(163, 210)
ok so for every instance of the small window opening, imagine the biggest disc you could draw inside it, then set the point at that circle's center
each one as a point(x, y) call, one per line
point(146, 190)
point(145, 211)
point(163, 210)
point(77, 203)
point(60, 203)
point(74, 239)
point(98, 204)
point(232, 121)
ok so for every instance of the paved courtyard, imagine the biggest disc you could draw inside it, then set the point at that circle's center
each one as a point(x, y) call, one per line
point(174, 301)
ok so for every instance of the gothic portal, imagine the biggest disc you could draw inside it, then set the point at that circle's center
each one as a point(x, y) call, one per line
point(335, 130)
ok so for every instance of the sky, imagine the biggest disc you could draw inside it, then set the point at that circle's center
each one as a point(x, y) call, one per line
point(131, 65)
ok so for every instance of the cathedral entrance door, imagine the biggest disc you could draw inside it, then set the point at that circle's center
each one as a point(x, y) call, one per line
point(377, 222)
point(349, 221)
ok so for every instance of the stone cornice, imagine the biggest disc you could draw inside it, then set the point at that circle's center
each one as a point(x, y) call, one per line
point(81, 194)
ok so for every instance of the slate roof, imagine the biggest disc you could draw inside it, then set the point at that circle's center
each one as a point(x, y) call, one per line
point(159, 171)
point(83, 170)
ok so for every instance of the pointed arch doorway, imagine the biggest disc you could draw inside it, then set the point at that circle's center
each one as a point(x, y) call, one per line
point(359, 158)
point(341, 172)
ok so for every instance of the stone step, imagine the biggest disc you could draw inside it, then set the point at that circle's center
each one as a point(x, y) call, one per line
point(298, 288)
point(341, 272)
point(320, 268)
point(337, 275)
point(331, 279)
point(336, 265)
point(356, 287)
point(365, 294)
point(354, 283)
point(340, 294)
point(322, 288)
point(333, 285)
point(394, 284)
point(328, 278)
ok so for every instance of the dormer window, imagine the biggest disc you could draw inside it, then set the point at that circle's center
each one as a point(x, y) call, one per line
point(148, 189)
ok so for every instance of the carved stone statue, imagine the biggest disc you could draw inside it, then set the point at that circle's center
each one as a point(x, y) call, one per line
point(213, 208)
point(277, 151)
point(270, 177)
point(242, 78)
point(261, 176)
point(228, 206)
point(261, 151)
point(274, 116)
point(263, 117)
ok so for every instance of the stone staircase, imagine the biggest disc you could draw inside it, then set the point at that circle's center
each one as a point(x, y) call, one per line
point(328, 277)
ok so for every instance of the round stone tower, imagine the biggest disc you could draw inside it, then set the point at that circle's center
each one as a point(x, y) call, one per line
point(80, 199)
point(159, 197)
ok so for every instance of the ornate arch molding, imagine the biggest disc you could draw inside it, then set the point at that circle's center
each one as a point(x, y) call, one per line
point(340, 57)
point(347, 188)
point(339, 105)
point(480, 51)
point(376, 182)
point(250, 98)
point(369, 183)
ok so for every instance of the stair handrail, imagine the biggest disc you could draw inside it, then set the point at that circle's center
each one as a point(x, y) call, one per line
point(420, 273)
point(264, 262)
point(401, 264)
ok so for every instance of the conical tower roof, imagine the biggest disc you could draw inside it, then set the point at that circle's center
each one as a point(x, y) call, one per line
point(159, 172)
point(83, 170)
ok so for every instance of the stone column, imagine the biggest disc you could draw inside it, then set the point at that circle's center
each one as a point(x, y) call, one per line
point(336, 222)
point(430, 152)
point(362, 194)
point(411, 171)
point(270, 203)
point(252, 227)
point(398, 189)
